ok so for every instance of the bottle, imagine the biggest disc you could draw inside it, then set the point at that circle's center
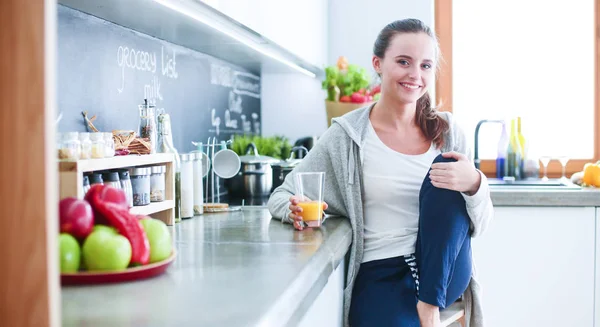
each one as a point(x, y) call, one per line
point(187, 186)
point(165, 145)
point(513, 157)
point(523, 144)
point(502, 152)
point(198, 185)
point(147, 124)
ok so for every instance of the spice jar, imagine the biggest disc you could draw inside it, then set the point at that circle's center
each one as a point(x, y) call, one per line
point(126, 186)
point(97, 145)
point(157, 183)
point(109, 145)
point(187, 186)
point(85, 146)
point(95, 178)
point(147, 124)
point(69, 147)
point(140, 184)
point(111, 178)
point(86, 184)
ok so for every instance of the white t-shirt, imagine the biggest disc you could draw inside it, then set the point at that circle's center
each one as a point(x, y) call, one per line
point(392, 182)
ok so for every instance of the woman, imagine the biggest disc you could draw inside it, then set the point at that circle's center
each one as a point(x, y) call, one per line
point(400, 171)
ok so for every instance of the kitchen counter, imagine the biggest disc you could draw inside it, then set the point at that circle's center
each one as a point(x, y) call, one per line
point(536, 196)
point(232, 269)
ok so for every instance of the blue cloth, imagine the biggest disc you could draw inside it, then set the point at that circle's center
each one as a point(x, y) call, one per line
point(386, 291)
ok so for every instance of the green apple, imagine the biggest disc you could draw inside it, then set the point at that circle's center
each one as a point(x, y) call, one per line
point(106, 228)
point(70, 253)
point(159, 238)
point(106, 251)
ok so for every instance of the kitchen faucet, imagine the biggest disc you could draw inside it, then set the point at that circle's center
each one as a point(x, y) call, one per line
point(476, 159)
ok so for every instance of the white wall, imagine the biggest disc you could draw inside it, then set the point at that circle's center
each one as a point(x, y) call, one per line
point(354, 25)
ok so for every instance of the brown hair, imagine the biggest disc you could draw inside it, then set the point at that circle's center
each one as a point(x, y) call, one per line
point(432, 125)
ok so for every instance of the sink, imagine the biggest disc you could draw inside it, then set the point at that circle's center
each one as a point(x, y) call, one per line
point(532, 183)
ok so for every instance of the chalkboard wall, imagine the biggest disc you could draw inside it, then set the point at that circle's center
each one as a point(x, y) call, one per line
point(109, 70)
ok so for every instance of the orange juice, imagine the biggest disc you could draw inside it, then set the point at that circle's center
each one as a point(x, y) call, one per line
point(312, 210)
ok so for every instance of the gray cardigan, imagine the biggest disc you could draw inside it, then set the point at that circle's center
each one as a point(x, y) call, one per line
point(339, 154)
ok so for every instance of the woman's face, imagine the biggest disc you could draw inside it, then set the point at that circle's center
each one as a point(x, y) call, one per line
point(408, 67)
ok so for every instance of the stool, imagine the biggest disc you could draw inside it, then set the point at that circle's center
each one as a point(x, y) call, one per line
point(452, 314)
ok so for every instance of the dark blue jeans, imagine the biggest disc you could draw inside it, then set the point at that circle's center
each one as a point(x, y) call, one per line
point(386, 291)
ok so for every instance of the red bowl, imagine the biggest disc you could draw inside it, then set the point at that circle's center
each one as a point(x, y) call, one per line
point(129, 274)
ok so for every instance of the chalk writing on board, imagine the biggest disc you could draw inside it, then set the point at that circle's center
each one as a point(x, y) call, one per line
point(241, 83)
point(246, 125)
point(231, 123)
point(256, 123)
point(215, 121)
point(235, 102)
point(146, 61)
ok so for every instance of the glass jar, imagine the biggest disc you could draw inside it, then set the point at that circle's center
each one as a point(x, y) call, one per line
point(111, 178)
point(147, 124)
point(95, 178)
point(85, 145)
point(109, 145)
point(187, 186)
point(157, 183)
point(198, 188)
point(97, 145)
point(140, 185)
point(126, 186)
point(86, 184)
point(69, 147)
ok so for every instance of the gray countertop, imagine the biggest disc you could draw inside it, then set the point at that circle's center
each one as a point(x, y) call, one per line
point(535, 196)
point(232, 269)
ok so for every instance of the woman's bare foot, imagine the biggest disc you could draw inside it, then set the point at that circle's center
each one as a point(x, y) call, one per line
point(429, 315)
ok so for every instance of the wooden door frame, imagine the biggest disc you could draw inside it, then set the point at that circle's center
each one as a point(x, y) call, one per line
point(29, 278)
point(443, 29)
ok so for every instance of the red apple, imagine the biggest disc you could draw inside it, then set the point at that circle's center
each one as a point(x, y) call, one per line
point(76, 217)
point(106, 194)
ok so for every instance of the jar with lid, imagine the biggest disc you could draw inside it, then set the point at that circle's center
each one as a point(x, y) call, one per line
point(126, 186)
point(111, 178)
point(109, 145)
point(97, 145)
point(187, 186)
point(157, 183)
point(69, 147)
point(198, 176)
point(95, 178)
point(147, 124)
point(85, 146)
point(86, 184)
point(140, 184)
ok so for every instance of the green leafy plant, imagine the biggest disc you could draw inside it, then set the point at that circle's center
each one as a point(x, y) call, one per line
point(343, 80)
point(276, 146)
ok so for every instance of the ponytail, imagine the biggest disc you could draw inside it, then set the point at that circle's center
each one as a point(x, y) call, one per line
point(432, 125)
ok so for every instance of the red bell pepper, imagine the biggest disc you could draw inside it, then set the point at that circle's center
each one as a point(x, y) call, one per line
point(129, 226)
point(106, 194)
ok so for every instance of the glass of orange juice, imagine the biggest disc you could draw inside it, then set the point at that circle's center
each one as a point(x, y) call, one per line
point(309, 189)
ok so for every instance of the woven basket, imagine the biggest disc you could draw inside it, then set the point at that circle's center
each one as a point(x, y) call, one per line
point(337, 109)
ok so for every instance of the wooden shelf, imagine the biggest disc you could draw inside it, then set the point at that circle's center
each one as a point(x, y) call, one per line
point(153, 207)
point(88, 165)
point(71, 180)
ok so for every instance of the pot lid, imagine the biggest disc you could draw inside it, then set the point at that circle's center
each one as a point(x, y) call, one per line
point(287, 163)
point(252, 156)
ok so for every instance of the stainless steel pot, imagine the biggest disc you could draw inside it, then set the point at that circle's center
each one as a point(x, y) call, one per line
point(282, 168)
point(255, 177)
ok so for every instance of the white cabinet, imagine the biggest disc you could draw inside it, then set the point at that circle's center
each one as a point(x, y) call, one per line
point(298, 26)
point(597, 283)
point(536, 267)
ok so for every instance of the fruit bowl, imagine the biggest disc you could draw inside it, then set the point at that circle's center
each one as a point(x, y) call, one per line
point(129, 274)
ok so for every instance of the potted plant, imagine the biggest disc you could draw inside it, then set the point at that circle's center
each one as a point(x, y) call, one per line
point(348, 88)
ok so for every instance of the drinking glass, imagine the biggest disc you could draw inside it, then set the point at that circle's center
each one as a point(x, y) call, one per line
point(563, 162)
point(309, 189)
point(545, 160)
